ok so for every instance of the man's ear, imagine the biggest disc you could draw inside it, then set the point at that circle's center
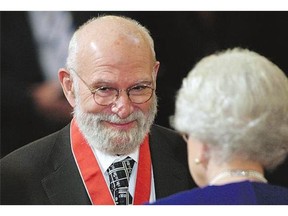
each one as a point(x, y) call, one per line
point(155, 71)
point(67, 85)
point(156, 67)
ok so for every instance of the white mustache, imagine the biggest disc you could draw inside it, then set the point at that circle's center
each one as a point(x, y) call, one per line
point(113, 118)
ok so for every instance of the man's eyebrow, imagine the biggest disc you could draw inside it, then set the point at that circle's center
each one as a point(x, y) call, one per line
point(106, 82)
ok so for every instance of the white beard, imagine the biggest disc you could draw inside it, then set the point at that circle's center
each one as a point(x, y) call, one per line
point(111, 140)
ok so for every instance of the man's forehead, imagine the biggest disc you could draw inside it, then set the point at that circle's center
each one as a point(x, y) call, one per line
point(110, 35)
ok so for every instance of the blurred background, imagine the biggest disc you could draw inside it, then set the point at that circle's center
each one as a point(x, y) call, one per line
point(34, 45)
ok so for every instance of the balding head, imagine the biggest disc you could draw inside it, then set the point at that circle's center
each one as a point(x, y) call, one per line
point(109, 35)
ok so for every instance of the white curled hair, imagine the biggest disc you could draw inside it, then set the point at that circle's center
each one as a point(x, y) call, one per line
point(236, 102)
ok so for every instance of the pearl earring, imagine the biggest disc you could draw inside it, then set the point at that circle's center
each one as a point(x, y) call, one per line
point(197, 161)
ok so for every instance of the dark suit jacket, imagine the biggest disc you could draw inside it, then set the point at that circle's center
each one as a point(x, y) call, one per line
point(44, 172)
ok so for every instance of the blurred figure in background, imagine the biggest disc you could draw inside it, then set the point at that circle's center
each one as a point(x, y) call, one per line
point(232, 111)
point(33, 46)
point(52, 31)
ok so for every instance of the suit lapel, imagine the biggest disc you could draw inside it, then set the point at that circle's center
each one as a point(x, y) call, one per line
point(169, 160)
point(62, 182)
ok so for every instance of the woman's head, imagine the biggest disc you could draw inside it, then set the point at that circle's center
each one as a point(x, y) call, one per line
point(236, 102)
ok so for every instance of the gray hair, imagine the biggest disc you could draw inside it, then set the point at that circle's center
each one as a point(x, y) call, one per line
point(73, 49)
point(236, 102)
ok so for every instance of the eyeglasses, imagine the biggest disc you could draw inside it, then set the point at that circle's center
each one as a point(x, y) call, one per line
point(105, 95)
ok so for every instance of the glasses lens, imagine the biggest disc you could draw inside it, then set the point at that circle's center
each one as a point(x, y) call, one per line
point(140, 94)
point(105, 95)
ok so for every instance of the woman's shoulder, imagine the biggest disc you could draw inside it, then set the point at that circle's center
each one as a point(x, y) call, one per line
point(238, 193)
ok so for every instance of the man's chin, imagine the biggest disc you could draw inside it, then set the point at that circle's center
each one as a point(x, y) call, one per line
point(119, 141)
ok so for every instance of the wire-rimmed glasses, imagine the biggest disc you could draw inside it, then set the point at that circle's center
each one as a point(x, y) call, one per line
point(105, 95)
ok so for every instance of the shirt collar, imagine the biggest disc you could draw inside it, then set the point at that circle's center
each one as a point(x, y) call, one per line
point(105, 160)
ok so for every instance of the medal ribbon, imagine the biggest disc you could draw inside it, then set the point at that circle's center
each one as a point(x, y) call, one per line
point(92, 175)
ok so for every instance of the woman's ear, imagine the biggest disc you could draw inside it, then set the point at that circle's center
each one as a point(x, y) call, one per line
point(67, 85)
point(204, 154)
point(200, 152)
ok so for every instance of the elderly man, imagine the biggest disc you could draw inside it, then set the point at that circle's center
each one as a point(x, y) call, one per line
point(111, 153)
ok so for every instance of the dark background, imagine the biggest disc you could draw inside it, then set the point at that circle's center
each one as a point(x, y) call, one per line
point(181, 39)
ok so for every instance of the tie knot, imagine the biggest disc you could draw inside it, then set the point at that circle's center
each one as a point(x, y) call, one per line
point(126, 163)
point(121, 169)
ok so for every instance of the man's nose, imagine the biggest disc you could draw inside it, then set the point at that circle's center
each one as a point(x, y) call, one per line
point(123, 107)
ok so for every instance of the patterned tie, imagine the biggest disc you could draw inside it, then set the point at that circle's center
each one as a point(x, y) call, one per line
point(119, 174)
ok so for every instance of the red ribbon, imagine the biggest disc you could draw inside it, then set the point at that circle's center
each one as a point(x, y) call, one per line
point(93, 178)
